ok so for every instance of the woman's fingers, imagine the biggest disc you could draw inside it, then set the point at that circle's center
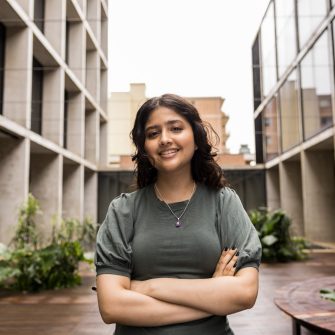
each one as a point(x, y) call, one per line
point(226, 264)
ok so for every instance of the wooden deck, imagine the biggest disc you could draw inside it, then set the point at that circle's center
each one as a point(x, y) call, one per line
point(75, 311)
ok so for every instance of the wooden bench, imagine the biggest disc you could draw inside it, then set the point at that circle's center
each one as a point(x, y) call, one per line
point(303, 303)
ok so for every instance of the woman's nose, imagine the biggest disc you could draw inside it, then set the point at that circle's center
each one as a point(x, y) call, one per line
point(165, 138)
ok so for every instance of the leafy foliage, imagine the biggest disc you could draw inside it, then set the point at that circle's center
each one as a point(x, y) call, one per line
point(273, 231)
point(327, 293)
point(32, 266)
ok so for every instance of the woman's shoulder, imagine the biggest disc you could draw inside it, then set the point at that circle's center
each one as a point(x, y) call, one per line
point(129, 199)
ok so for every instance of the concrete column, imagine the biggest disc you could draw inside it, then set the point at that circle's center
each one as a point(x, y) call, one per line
point(104, 33)
point(93, 73)
point(91, 195)
point(27, 5)
point(18, 75)
point(73, 191)
point(55, 23)
point(319, 195)
point(46, 186)
point(76, 49)
point(76, 123)
point(103, 89)
point(53, 105)
point(94, 16)
point(14, 165)
point(272, 188)
point(102, 148)
point(91, 135)
point(291, 194)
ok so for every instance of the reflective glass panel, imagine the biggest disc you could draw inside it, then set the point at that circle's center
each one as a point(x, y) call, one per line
point(289, 112)
point(286, 34)
point(310, 15)
point(270, 129)
point(268, 51)
point(316, 88)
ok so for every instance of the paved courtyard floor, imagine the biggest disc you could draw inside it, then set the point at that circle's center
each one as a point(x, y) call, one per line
point(75, 311)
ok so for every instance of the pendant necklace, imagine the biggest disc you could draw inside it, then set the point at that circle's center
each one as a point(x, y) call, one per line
point(178, 223)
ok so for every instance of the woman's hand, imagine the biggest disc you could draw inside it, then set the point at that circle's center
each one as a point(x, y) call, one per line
point(227, 263)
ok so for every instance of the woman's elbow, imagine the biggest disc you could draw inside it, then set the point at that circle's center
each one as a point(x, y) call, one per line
point(249, 298)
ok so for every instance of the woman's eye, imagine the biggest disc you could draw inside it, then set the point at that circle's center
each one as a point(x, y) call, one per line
point(152, 134)
point(177, 129)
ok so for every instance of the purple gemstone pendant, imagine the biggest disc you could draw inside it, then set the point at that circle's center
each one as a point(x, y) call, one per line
point(178, 224)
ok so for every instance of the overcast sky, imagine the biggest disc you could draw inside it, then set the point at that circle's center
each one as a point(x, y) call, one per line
point(190, 48)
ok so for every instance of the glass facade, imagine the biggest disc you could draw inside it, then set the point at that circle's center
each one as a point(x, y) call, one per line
point(316, 87)
point(270, 129)
point(289, 112)
point(286, 34)
point(302, 106)
point(269, 75)
point(37, 96)
point(310, 15)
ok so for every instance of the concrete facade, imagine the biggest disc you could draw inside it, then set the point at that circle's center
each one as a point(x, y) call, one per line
point(297, 113)
point(53, 101)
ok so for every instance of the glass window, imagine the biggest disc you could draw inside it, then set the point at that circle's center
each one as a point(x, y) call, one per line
point(289, 112)
point(286, 34)
point(310, 15)
point(256, 74)
point(269, 76)
point(39, 8)
point(270, 129)
point(37, 96)
point(315, 87)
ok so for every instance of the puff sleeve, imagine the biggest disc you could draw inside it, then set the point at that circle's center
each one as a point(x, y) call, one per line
point(113, 245)
point(236, 230)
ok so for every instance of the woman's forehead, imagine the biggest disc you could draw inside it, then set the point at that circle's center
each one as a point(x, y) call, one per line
point(164, 115)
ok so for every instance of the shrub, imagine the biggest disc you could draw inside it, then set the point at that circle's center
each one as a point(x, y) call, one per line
point(32, 266)
point(273, 231)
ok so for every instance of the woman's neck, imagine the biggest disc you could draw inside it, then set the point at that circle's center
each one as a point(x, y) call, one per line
point(176, 188)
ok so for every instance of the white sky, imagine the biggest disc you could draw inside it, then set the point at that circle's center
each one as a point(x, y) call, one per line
point(190, 48)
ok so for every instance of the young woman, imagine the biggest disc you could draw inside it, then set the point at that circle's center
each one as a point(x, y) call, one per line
point(180, 253)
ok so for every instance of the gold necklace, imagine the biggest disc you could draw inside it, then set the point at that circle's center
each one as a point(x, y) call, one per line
point(178, 223)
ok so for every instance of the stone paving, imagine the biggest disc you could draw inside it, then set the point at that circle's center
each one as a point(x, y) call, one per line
point(75, 311)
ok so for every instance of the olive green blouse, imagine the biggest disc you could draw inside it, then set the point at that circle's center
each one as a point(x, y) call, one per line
point(139, 239)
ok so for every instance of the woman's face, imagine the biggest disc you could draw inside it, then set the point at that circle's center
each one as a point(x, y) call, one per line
point(169, 141)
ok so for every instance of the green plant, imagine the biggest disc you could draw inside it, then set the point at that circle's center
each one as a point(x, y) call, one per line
point(32, 266)
point(327, 293)
point(273, 231)
point(26, 231)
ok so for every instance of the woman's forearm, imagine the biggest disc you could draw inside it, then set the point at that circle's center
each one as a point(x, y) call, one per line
point(219, 296)
point(127, 307)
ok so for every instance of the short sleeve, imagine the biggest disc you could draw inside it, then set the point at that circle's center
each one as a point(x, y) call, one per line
point(236, 230)
point(113, 249)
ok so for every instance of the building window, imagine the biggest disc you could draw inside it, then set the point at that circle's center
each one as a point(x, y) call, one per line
point(289, 112)
point(256, 73)
point(39, 9)
point(316, 87)
point(270, 132)
point(2, 62)
point(286, 34)
point(268, 51)
point(37, 97)
point(310, 15)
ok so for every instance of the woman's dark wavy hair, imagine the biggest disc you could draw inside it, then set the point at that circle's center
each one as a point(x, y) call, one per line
point(203, 166)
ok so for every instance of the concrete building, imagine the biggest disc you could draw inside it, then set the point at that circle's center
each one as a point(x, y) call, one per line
point(53, 102)
point(294, 112)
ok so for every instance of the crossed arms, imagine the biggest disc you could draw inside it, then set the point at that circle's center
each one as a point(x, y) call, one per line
point(163, 301)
